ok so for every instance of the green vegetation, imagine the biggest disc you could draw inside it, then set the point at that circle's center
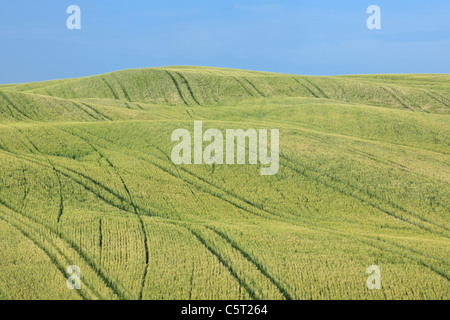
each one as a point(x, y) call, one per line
point(364, 179)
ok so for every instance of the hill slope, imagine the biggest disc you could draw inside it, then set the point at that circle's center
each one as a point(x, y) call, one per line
point(87, 180)
point(211, 86)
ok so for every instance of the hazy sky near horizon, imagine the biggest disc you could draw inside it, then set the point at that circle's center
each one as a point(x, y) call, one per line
point(321, 37)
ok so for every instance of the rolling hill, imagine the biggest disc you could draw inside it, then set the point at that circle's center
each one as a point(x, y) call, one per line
point(87, 180)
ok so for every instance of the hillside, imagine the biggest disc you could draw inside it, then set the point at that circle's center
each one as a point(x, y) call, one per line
point(87, 180)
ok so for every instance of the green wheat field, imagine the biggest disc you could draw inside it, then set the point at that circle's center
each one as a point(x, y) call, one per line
point(87, 180)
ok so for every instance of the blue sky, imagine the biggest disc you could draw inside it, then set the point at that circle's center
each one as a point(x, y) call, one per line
point(321, 37)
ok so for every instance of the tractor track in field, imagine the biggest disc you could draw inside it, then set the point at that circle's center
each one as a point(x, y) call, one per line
point(343, 91)
point(125, 93)
point(307, 89)
point(84, 110)
point(254, 87)
point(388, 90)
point(408, 101)
point(234, 245)
point(272, 215)
point(115, 95)
point(58, 235)
point(100, 238)
point(177, 86)
point(419, 261)
point(386, 162)
point(87, 188)
point(412, 250)
point(244, 87)
point(189, 182)
point(106, 280)
point(328, 231)
point(105, 117)
point(246, 256)
point(392, 164)
point(229, 267)
point(26, 190)
point(54, 260)
point(250, 259)
point(400, 167)
point(191, 281)
point(214, 194)
point(278, 216)
point(290, 220)
point(443, 98)
point(258, 207)
point(61, 196)
point(437, 99)
point(316, 87)
point(10, 103)
point(11, 112)
point(183, 78)
point(358, 197)
point(142, 224)
point(369, 193)
point(121, 199)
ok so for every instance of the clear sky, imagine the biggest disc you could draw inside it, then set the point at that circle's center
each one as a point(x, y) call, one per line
point(313, 37)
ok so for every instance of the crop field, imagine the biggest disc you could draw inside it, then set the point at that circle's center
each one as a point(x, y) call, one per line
point(86, 179)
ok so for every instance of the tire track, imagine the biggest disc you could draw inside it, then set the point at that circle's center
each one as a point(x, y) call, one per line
point(97, 112)
point(259, 207)
point(100, 239)
point(177, 87)
point(187, 111)
point(111, 89)
point(230, 268)
point(369, 193)
point(254, 87)
point(54, 260)
point(188, 87)
point(121, 199)
point(397, 166)
point(87, 188)
point(307, 89)
point(108, 282)
point(26, 190)
point(272, 215)
point(51, 231)
point(125, 93)
point(397, 99)
point(438, 100)
point(61, 197)
point(245, 88)
point(144, 232)
point(5, 97)
point(316, 87)
point(421, 262)
point(394, 205)
point(352, 194)
point(258, 266)
point(409, 101)
point(84, 110)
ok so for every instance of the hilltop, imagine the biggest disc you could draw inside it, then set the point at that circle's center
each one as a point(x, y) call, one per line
point(140, 89)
